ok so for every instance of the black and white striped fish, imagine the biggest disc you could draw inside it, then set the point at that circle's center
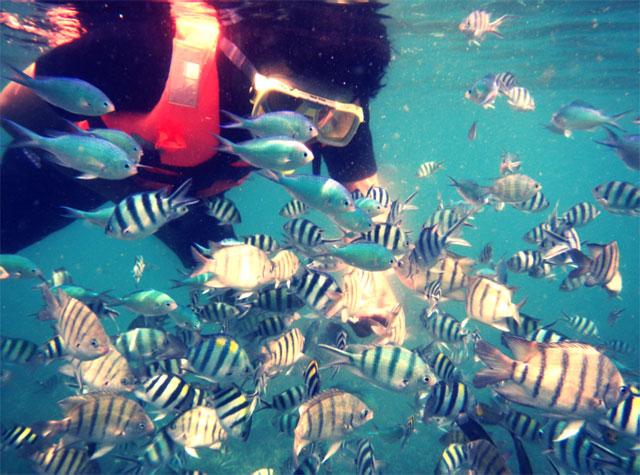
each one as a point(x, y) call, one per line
point(262, 241)
point(365, 460)
point(219, 356)
point(626, 416)
point(17, 350)
point(223, 209)
point(312, 379)
point(444, 327)
point(443, 367)
point(304, 233)
point(380, 194)
point(169, 392)
point(537, 234)
point(522, 425)
point(620, 346)
point(283, 351)
point(545, 335)
point(448, 400)
point(432, 242)
point(287, 399)
point(519, 98)
point(429, 168)
point(433, 294)
point(618, 197)
point(294, 209)
point(536, 203)
point(17, 436)
point(390, 236)
point(505, 82)
point(398, 207)
point(580, 214)
point(235, 410)
point(319, 291)
point(142, 214)
point(278, 299)
point(526, 326)
point(581, 324)
point(524, 261)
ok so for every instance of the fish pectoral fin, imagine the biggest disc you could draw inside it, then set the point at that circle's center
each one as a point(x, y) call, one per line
point(331, 452)
point(86, 176)
point(191, 452)
point(101, 451)
point(570, 430)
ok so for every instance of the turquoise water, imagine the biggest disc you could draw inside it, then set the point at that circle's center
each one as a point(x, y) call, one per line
point(560, 51)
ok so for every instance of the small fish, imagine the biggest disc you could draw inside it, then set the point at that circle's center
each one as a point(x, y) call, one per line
point(273, 124)
point(270, 326)
point(60, 459)
point(91, 156)
point(150, 303)
point(365, 460)
point(262, 241)
point(379, 194)
point(219, 357)
point(17, 350)
point(526, 326)
point(169, 392)
point(621, 347)
point(537, 234)
point(432, 242)
point(478, 23)
point(448, 400)
point(138, 269)
point(390, 236)
point(71, 94)
point(581, 324)
point(519, 98)
point(273, 153)
point(293, 209)
point(505, 82)
point(513, 188)
point(535, 204)
point(486, 254)
point(470, 191)
point(398, 207)
point(198, 427)
point(13, 266)
point(370, 206)
point(223, 209)
point(320, 291)
point(235, 410)
point(312, 379)
point(141, 343)
point(103, 418)
point(367, 256)
point(473, 131)
point(287, 399)
point(613, 316)
point(569, 284)
point(580, 115)
point(83, 335)
point(304, 233)
point(509, 163)
point(453, 458)
point(618, 197)
point(117, 137)
point(16, 437)
point(484, 92)
point(454, 436)
point(625, 417)
point(484, 457)
point(286, 422)
point(142, 214)
point(433, 294)
point(627, 147)
point(580, 214)
point(546, 376)
point(283, 351)
point(545, 335)
point(445, 328)
point(390, 366)
point(281, 299)
point(428, 169)
point(524, 261)
point(331, 415)
point(522, 425)
point(491, 303)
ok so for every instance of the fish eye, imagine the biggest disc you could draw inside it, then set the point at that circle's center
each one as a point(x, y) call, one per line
point(106, 104)
point(93, 342)
point(127, 166)
point(426, 379)
point(167, 304)
point(304, 154)
point(142, 425)
point(124, 381)
point(364, 413)
point(624, 390)
point(346, 202)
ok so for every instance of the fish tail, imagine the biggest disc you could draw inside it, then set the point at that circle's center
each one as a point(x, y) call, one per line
point(499, 365)
point(336, 351)
point(72, 213)
point(20, 77)
point(238, 122)
point(50, 429)
point(611, 140)
point(22, 136)
point(613, 120)
point(494, 25)
point(179, 198)
point(225, 145)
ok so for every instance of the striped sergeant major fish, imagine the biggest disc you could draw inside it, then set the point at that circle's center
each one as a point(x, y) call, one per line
point(398, 207)
point(618, 197)
point(218, 311)
point(365, 459)
point(514, 188)
point(142, 214)
point(263, 242)
point(270, 326)
point(101, 417)
point(625, 417)
point(428, 169)
point(448, 400)
point(491, 303)
point(526, 326)
point(286, 422)
point(294, 209)
point(280, 299)
point(505, 82)
point(287, 399)
point(197, 427)
point(453, 458)
point(109, 373)
point(446, 217)
point(390, 236)
point(601, 268)
point(331, 416)
point(235, 410)
point(579, 452)
point(485, 458)
point(177, 366)
point(519, 98)
point(524, 261)
point(219, 356)
point(304, 233)
point(544, 270)
point(444, 327)
point(59, 459)
point(621, 347)
point(159, 452)
point(285, 266)
point(319, 291)
point(283, 351)
point(433, 294)
point(544, 335)
point(537, 234)
point(567, 378)
point(223, 209)
point(141, 343)
point(169, 392)
point(535, 204)
point(581, 324)
point(443, 367)
point(478, 23)
point(380, 194)
point(16, 437)
point(390, 366)
point(580, 214)
point(79, 327)
point(569, 283)
point(17, 350)
point(522, 425)
point(312, 379)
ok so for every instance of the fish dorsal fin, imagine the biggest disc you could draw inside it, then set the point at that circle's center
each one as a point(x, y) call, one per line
point(522, 349)
point(579, 103)
point(319, 397)
point(71, 402)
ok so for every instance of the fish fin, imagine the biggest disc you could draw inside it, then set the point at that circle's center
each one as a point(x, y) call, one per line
point(179, 196)
point(101, 451)
point(191, 452)
point(612, 120)
point(333, 448)
point(499, 365)
point(570, 430)
point(226, 145)
point(21, 77)
point(458, 241)
point(337, 351)
point(298, 445)
point(69, 403)
point(522, 349)
point(556, 251)
point(238, 122)
point(86, 176)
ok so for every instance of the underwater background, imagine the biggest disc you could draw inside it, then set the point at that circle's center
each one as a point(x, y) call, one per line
point(560, 50)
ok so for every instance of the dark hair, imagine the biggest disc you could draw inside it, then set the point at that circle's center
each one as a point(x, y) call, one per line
point(339, 44)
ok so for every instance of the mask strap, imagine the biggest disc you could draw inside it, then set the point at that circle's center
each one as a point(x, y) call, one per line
point(237, 57)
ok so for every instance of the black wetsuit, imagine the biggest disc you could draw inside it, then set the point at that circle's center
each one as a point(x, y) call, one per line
point(131, 66)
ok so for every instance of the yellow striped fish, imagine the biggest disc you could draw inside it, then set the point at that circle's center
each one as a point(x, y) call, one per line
point(285, 266)
point(568, 378)
point(100, 417)
point(17, 436)
point(17, 350)
point(453, 457)
point(283, 351)
point(626, 416)
point(331, 415)
point(61, 460)
point(519, 98)
point(429, 168)
point(514, 188)
point(110, 373)
point(79, 327)
point(171, 393)
point(452, 272)
point(198, 427)
point(485, 458)
point(490, 303)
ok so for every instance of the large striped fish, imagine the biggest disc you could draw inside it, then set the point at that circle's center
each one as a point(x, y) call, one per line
point(59, 459)
point(169, 392)
point(198, 427)
point(283, 351)
point(235, 409)
point(618, 197)
point(331, 415)
point(448, 400)
point(490, 303)
point(142, 214)
point(514, 188)
point(601, 268)
point(109, 373)
point(390, 366)
point(80, 329)
point(219, 356)
point(571, 379)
